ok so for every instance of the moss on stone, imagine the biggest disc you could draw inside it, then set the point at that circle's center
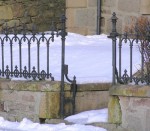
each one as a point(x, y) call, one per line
point(114, 110)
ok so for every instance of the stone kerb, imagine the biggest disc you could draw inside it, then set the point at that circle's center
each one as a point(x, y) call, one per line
point(129, 105)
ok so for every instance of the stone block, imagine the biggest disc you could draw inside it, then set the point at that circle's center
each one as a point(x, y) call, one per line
point(50, 105)
point(145, 4)
point(33, 12)
point(91, 100)
point(76, 3)
point(91, 17)
point(6, 12)
point(81, 18)
point(129, 6)
point(12, 23)
point(114, 110)
point(92, 3)
point(79, 30)
point(109, 3)
point(18, 10)
point(70, 14)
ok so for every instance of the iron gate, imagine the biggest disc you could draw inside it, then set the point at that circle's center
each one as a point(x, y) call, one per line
point(11, 36)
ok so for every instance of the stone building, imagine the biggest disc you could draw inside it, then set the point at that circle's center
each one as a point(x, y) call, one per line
point(93, 16)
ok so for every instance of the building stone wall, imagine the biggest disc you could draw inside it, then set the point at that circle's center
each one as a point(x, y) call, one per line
point(29, 12)
point(82, 16)
point(125, 11)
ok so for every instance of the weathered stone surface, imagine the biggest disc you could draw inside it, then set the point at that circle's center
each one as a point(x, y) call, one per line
point(134, 113)
point(127, 6)
point(6, 12)
point(94, 87)
point(18, 10)
point(81, 17)
point(114, 110)
point(89, 100)
point(131, 90)
point(145, 4)
point(109, 3)
point(77, 3)
point(33, 11)
point(32, 86)
point(49, 105)
point(12, 23)
point(92, 3)
point(39, 11)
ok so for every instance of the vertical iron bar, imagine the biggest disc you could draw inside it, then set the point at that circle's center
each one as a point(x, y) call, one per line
point(98, 17)
point(11, 58)
point(38, 57)
point(20, 58)
point(29, 59)
point(113, 35)
point(142, 59)
point(74, 95)
point(120, 55)
point(63, 37)
point(48, 59)
point(131, 53)
point(2, 44)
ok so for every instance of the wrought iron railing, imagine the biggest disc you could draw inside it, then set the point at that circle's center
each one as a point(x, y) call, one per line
point(21, 39)
point(11, 37)
point(118, 76)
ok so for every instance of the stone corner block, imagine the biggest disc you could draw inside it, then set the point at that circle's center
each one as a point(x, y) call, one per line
point(114, 110)
point(49, 105)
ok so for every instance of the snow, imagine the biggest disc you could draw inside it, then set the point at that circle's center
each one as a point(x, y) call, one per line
point(88, 117)
point(89, 59)
point(79, 121)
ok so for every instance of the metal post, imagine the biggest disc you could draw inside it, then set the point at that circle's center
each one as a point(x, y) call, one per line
point(98, 17)
point(63, 38)
point(113, 35)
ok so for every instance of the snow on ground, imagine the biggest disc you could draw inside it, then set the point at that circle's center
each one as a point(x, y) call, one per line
point(80, 119)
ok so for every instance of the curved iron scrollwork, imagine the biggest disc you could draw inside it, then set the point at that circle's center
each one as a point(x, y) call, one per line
point(11, 36)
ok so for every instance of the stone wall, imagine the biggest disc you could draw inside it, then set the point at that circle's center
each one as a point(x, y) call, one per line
point(125, 10)
point(130, 107)
point(82, 16)
point(29, 12)
point(34, 100)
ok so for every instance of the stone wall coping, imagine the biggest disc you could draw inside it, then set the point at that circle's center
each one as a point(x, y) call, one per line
point(93, 87)
point(130, 90)
point(38, 86)
point(46, 86)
